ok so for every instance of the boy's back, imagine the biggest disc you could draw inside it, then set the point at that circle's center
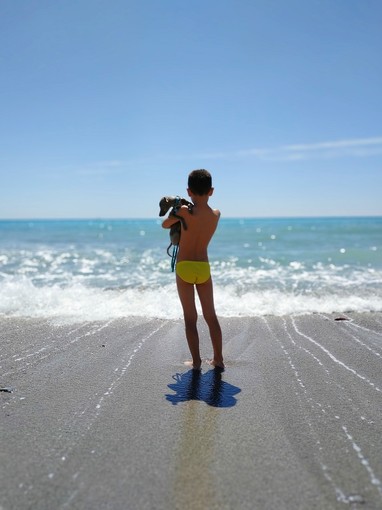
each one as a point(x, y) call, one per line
point(201, 226)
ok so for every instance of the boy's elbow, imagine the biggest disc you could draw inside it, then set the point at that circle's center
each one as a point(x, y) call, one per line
point(169, 222)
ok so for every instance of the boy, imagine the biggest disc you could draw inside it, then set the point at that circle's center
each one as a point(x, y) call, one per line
point(193, 269)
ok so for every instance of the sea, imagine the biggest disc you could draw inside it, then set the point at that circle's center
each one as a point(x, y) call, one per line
point(70, 271)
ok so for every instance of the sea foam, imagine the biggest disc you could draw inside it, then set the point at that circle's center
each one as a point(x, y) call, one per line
point(19, 297)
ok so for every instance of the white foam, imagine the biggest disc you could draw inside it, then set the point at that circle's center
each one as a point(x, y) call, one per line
point(77, 303)
point(276, 302)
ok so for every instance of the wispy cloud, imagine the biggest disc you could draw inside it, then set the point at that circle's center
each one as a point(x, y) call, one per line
point(358, 147)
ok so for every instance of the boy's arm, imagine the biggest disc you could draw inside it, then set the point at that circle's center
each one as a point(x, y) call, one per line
point(170, 220)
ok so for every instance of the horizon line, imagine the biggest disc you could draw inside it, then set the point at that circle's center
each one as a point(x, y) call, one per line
point(160, 219)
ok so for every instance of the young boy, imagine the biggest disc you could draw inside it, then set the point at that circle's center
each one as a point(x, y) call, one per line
point(193, 269)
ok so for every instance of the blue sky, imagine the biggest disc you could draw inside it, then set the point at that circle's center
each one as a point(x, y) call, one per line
point(106, 105)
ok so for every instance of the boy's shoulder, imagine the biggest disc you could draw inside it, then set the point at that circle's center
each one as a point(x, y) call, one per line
point(215, 212)
point(184, 211)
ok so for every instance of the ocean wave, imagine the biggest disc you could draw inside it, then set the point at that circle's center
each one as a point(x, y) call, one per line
point(20, 297)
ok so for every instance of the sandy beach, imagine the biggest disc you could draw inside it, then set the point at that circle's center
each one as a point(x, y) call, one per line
point(106, 416)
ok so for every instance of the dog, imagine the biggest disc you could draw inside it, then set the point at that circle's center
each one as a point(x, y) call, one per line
point(175, 203)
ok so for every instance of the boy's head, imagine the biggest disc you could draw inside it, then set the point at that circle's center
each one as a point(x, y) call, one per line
point(200, 182)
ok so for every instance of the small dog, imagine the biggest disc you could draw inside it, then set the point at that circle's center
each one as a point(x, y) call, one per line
point(175, 203)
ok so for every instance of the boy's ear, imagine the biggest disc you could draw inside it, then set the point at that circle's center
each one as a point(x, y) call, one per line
point(211, 192)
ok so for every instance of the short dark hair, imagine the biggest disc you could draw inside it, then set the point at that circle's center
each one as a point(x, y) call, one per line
point(200, 182)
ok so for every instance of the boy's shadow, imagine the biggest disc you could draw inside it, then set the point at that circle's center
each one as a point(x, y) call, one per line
point(208, 387)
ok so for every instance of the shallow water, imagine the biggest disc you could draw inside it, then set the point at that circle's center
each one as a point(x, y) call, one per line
point(98, 269)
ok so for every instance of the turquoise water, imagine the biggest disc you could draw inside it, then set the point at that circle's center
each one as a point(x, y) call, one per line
point(100, 269)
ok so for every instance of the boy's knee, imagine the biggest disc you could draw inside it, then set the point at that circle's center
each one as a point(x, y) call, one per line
point(190, 321)
point(210, 318)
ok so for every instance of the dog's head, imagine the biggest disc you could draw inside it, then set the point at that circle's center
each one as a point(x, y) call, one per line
point(167, 202)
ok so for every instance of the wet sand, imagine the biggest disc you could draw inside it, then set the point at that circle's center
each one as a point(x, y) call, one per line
point(106, 416)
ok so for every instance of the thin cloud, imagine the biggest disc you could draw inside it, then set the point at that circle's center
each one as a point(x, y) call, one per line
point(343, 144)
point(358, 147)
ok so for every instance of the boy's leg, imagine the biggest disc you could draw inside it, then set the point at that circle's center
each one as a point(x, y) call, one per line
point(206, 296)
point(187, 298)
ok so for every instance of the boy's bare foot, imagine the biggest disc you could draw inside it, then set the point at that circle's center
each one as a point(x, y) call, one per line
point(216, 364)
point(194, 366)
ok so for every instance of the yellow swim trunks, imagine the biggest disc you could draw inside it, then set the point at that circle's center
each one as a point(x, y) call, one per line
point(192, 271)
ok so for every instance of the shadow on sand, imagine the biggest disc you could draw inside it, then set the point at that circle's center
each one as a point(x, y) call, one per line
point(207, 387)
